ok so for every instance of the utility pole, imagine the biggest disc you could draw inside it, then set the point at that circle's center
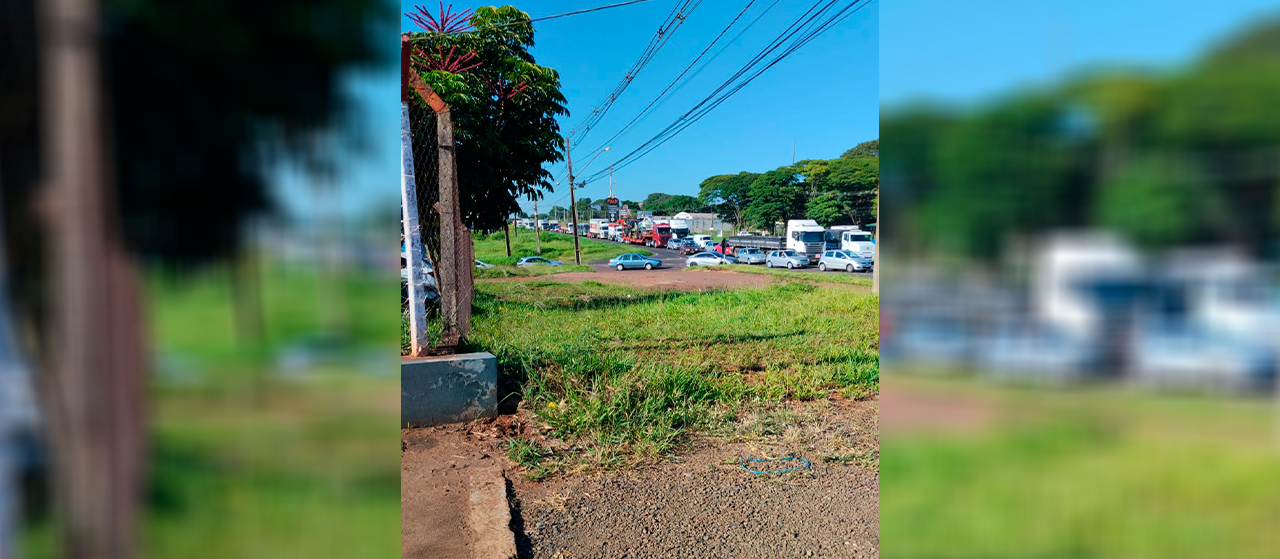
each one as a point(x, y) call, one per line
point(573, 203)
point(537, 227)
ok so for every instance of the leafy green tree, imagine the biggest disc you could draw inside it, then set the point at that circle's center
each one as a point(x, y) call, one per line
point(728, 196)
point(504, 107)
point(870, 148)
point(775, 196)
point(670, 204)
point(1151, 202)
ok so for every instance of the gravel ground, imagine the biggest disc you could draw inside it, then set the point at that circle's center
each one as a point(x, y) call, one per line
point(699, 503)
point(703, 504)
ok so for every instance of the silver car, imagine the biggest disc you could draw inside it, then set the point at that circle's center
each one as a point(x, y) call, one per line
point(843, 260)
point(785, 259)
point(537, 261)
point(709, 259)
point(634, 260)
point(751, 256)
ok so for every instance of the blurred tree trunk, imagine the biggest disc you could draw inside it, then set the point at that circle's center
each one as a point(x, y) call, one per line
point(92, 392)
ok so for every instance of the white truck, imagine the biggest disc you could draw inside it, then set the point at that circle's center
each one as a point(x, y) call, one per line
point(680, 228)
point(703, 241)
point(804, 236)
point(599, 228)
point(852, 239)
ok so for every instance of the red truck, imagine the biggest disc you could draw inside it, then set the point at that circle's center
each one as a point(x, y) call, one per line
point(649, 234)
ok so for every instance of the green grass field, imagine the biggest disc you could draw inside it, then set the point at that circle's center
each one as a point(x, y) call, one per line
point(805, 277)
point(624, 374)
point(250, 460)
point(492, 249)
point(1089, 474)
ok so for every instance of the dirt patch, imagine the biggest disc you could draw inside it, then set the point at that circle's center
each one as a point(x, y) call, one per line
point(702, 503)
point(913, 408)
point(436, 466)
point(699, 503)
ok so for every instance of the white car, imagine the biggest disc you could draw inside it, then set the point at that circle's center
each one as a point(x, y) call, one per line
point(785, 259)
point(843, 260)
point(709, 259)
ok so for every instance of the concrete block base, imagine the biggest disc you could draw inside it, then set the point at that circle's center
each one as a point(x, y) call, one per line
point(448, 389)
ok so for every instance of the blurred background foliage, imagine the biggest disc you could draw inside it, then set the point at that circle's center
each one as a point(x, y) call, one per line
point(1163, 157)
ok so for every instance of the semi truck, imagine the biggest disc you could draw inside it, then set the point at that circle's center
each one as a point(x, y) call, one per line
point(804, 236)
point(598, 228)
point(679, 228)
point(852, 239)
point(648, 233)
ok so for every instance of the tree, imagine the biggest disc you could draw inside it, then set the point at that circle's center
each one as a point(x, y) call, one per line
point(670, 204)
point(869, 148)
point(728, 195)
point(1151, 202)
point(504, 107)
point(272, 83)
point(775, 196)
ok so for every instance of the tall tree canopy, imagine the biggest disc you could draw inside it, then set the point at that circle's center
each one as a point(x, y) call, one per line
point(728, 195)
point(1181, 155)
point(671, 204)
point(869, 148)
point(504, 107)
point(775, 196)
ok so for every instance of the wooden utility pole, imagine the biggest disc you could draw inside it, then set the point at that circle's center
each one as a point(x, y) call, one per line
point(454, 271)
point(573, 203)
point(92, 395)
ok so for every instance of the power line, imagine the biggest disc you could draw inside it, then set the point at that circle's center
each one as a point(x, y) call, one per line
point(646, 111)
point(544, 18)
point(663, 35)
point(711, 101)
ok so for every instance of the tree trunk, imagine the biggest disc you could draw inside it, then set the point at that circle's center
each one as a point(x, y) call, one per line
point(93, 393)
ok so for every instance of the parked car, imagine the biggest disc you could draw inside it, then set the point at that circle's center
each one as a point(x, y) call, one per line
point(690, 248)
point(709, 259)
point(634, 260)
point(675, 244)
point(843, 260)
point(785, 259)
point(481, 265)
point(537, 261)
point(750, 255)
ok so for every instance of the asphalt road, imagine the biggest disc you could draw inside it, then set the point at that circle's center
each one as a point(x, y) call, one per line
point(673, 260)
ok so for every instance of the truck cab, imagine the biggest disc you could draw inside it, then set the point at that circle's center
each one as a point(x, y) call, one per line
point(858, 242)
point(680, 228)
point(806, 237)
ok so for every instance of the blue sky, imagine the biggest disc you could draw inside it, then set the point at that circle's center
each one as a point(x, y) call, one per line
point(823, 97)
point(967, 51)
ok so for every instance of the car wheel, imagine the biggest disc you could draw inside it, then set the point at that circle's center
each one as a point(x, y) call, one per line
point(768, 264)
point(619, 267)
point(849, 268)
point(648, 265)
point(790, 266)
point(822, 266)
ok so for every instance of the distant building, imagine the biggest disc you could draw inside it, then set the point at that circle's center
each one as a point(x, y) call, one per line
point(701, 222)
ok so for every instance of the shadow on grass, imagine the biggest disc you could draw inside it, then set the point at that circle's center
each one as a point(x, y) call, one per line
point(708, 340)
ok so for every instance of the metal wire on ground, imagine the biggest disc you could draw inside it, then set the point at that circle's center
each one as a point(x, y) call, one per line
point(804, 467)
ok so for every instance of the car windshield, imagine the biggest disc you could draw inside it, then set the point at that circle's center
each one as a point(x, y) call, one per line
point(811, 237)
point(787, 253)
point(858, 237)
